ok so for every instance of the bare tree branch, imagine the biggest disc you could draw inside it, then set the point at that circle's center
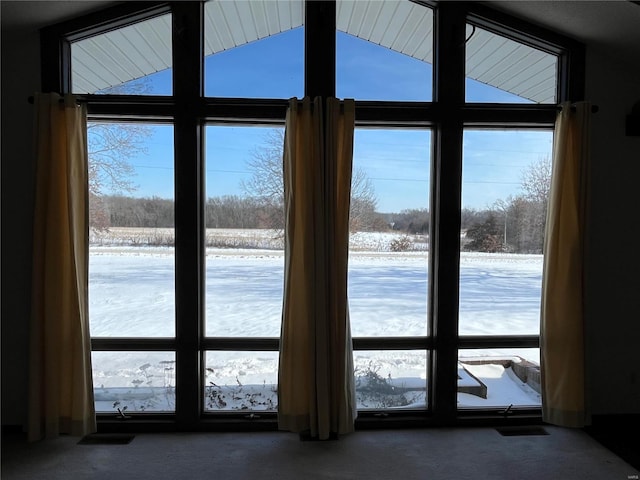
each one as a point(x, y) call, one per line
point(536, 180)
point(110, 148)
point(266, 184)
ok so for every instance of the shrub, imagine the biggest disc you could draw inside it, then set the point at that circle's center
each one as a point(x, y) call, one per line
point(401, 244)
point(375, 391)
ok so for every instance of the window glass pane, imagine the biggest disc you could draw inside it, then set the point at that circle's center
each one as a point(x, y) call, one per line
point(500, 70)
point(254, 49)
point(134, 60)
point(389, 224)
point(125, 382)
point(499, 378)
point(387, 379)
point(131, 238)
point(241, 381)
point(244, 219)
point(505, 183)
point(248, 380)
point(384, 50)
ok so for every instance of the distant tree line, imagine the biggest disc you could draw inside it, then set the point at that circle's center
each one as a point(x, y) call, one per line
point(515, 225)
point(512, 225)
point(233, 211)
point(411, 221)
point(229, 211)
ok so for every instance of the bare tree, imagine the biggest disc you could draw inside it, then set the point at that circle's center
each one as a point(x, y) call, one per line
point(536, 180)
point(266, 184)
point(523, 217)
point(111, 146)
point(362, 212)
point(536, 183)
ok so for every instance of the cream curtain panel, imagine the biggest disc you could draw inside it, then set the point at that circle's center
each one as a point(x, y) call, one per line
point(316, 392)
point(562, 312)
point(60, 384)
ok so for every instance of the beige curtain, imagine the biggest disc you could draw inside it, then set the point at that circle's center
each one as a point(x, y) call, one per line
point(316, 393)
point(60, 384)
point(562, 317)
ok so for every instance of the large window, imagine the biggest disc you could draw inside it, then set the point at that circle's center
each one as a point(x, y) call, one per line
point(187, 102)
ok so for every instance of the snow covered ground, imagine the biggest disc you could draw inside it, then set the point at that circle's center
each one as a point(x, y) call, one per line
point(131, 294)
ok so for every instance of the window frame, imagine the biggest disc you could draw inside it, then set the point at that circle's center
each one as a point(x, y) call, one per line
point(189, 111)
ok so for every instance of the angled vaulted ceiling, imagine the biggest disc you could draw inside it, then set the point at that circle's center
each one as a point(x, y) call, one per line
point(144, 48)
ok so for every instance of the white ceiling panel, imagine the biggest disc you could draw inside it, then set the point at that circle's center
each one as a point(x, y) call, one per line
point(511, 66)
point(400, 25)
point(344, 12)
point(424, 43)
point(359, 11)
point(234, 22)
point(382, 23)
point(411, 31)
point(216, 24)
point(259, 17)
point(397, 24)
point(121, 55)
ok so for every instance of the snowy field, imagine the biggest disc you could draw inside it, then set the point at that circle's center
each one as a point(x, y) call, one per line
point(131, 294)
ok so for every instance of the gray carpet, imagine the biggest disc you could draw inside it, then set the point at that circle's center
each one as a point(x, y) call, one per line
point(438, 453)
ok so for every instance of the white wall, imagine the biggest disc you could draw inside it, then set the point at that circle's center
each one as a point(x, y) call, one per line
point(613, 284)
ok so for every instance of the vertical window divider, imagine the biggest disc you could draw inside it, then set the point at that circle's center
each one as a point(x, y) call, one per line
point(449, 74)
point(320, 48)
point(187, 32)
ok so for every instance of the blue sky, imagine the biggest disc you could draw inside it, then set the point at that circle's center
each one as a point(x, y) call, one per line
point(396, 161)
